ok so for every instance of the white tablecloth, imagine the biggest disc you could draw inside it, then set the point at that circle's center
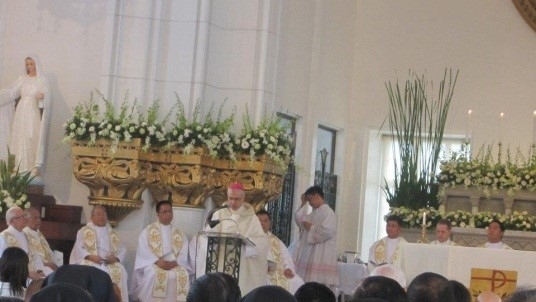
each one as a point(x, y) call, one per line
point(456, 262)
point(349, 276)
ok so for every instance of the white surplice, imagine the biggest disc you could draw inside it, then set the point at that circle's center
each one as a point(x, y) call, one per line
point(447, 242)
point(279, 254)
point(144, 275)
point(385, 250)
point(253, 260)
point(104, 249)
point(12, 237)
point(316, 253)
point(497, 246)
point(42, 251)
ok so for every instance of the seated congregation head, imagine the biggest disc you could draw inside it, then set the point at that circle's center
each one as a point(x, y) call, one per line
point(430, 287)
point(488, 296)
point(314, 292)
point(380, 287)
point(522, 294)
point(62, 292)
point(461, 293)
point(14, 270)
point(214, 287)
point(269, 293)
point(390, 271)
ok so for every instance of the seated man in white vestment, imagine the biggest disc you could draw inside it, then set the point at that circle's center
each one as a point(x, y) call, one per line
point(387, 249)
point(316, 252)
point(495, 233)
point(161, 270)
point(14, 236)
point(98, 245)
point(239, 218)
point(38, 243)
point(282, 272)
point(443, 233)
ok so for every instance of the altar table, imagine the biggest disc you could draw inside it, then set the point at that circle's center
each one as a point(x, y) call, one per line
point(456, 262)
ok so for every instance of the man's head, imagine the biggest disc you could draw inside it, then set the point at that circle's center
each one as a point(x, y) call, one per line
point(488, 296)
point(430, 287)
point(443, 230)
point(16, 218)
point(164, 212)
point(34, 218)
point(264, 218)
point(99, 217)
point(394, 226)
point(235, 195)
point(495, 231)
point(315, 196)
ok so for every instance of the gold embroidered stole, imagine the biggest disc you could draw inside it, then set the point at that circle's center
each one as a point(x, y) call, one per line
point(89, 236)
point(154, 235)
point(278, 277)
point(12, 241)
point(380, 252)
point(39, 245)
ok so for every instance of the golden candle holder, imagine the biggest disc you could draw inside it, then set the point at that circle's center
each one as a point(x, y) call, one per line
point(424, 236)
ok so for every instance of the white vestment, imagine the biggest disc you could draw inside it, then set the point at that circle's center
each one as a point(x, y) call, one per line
point(385, 250)
point(447, 242)
point(40, 248)
point(279, 254)
point(498, 246)
point(12, 237)
point(172, 244)
point(103, 242)
point(316, 253)
point(28, 127)
point(253, 260)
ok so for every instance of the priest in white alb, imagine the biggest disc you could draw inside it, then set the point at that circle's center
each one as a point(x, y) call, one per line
point(387, 249)
point(281, 269)
point(38, 243)
point(495, 234)
point(161, 270)
point(316, 253)
point(238, 217)
point(98, 245)
point(443, 233)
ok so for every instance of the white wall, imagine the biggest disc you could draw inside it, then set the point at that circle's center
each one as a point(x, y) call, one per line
point(325, 61)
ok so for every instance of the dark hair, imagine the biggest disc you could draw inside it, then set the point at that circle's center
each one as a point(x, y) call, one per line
point(62, 292)
point(395, 218)
point(263, 212)
point(315, 190)
point(214, 287)
point(497, 221)
point(314, 292)
point(160, 203)
point(14, 269)
point(380, 287)
point(446, 222)
point(269, 293)
point(522, 294)
point(461, 293)
point(430, 287)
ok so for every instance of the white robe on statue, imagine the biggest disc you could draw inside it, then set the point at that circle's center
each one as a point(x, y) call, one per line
point(101, 241)
point(253, 260)
point(279, 254)
point(27, 129)
point(161, 241)
point(12, 237)
point(316, 253)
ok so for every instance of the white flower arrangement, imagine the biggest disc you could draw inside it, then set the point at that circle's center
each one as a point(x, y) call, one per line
point(270, 138)
point(517, 221)
point(13, 185)
point(489, 175)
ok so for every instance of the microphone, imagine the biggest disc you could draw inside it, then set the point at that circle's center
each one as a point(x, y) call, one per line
point(213, 223)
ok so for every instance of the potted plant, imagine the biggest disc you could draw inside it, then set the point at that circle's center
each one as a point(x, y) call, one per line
point(13, 185)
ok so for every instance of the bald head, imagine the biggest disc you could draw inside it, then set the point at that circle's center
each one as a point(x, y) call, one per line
point(488, 296)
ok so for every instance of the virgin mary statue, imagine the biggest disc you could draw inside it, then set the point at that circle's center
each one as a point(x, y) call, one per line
point(23, 123)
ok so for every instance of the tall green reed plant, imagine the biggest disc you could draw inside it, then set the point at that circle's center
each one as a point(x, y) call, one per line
point(417, 121)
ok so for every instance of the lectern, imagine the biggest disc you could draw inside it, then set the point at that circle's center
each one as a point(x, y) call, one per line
point(223, 252)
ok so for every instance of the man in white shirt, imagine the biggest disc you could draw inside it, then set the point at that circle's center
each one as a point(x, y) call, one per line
point(387, 249)
point(495, 233)
point(15, 236)
point(443, 233)
point(98, 245)
point(161, 270)
point(281, 269)
point(38, 243)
